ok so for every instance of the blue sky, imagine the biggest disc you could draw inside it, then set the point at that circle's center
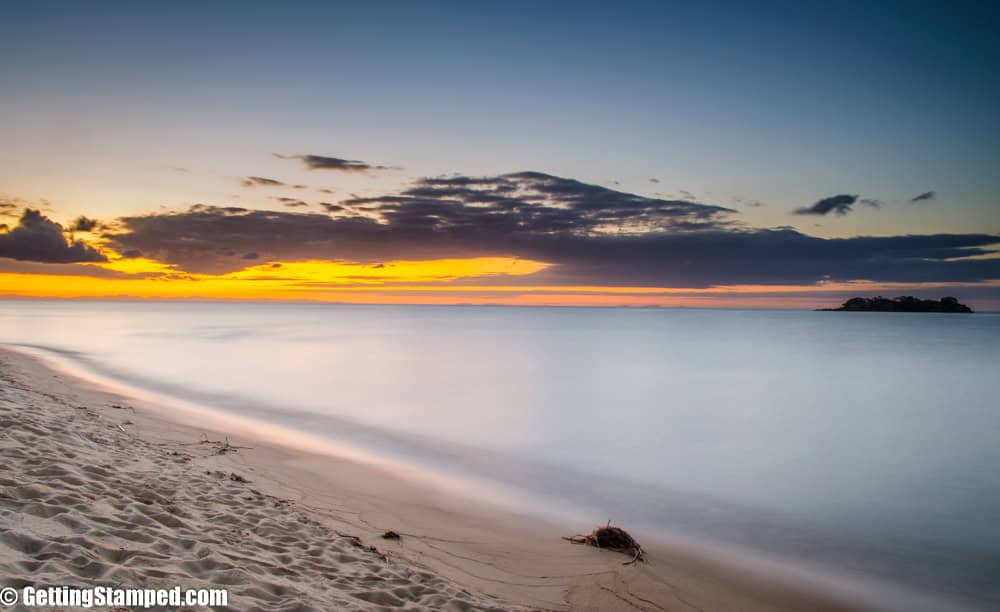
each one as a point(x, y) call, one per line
point(785, 103)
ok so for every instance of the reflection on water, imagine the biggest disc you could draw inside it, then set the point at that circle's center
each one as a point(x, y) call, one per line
point(861, 441)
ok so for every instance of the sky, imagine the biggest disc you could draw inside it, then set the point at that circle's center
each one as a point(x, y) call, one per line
point(547, 153)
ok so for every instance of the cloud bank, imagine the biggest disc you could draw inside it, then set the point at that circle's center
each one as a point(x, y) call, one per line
point(593, 235)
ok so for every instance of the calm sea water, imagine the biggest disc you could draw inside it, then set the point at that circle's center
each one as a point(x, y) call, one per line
point(859, 444)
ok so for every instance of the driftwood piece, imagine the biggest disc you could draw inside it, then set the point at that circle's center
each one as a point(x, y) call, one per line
point(612, 538)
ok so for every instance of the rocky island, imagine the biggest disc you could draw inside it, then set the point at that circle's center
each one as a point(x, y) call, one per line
point(906, 303)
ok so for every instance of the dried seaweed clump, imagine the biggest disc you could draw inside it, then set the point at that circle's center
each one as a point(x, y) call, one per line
point(613, 538)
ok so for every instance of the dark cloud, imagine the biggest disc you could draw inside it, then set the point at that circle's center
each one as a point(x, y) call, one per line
point(327, 191)
point(436, 217)
point(250, 256)
point(38, 238)
point(838, 204)
point(83, 224)
point(292, 202)
point(592, 235)
point(654, 180)
point(322, 162)
point(230, 210)
point(779, 256)
point(870, 202)
point(533, 202)
point(132, 254)
point(927, 195)
point(260, 181)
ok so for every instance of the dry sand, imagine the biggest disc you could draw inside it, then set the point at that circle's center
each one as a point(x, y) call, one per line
point(100, 488)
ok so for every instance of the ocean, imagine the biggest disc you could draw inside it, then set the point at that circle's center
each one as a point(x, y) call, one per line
point(864, 447)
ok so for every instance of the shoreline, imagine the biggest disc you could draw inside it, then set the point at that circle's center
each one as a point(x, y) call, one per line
point(501, 558)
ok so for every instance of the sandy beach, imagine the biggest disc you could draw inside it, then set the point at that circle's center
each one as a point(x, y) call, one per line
point(104, 489)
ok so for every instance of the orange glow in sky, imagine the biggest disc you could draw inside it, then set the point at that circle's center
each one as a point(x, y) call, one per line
point(441, 281)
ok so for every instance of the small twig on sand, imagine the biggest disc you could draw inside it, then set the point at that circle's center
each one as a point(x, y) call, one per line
point(353, 538)
point(223, 447)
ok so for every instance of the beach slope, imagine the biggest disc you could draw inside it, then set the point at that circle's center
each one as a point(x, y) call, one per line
point(104, 489)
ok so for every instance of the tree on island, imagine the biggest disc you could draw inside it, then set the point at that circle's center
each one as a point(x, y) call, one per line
point(906, 303)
